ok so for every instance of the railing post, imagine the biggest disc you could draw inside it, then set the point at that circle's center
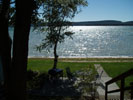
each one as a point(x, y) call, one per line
point(122, 89)
point(131, 90)
point(106, 90)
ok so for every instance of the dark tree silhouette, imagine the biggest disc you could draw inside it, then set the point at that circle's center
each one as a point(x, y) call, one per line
point(24, 10)
point(15, 70)
point(5, 43)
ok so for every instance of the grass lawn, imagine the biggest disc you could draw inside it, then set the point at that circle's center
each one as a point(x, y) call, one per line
point(113, 69)
point(42, 65)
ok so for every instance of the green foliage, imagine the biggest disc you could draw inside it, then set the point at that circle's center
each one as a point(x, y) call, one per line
point(36, 80)
point(91, 73)
point(57, 15)
point(88, 77)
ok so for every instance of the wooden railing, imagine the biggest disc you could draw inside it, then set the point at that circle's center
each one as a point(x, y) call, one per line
point(122, 85)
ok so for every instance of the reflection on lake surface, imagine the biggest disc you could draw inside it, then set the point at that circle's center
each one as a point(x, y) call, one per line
point(89, 41)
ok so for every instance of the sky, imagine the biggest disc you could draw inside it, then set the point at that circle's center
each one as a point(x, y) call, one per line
point(121, 10)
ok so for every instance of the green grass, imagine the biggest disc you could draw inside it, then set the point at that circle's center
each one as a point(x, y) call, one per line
point(113, 69)
point(43, 65)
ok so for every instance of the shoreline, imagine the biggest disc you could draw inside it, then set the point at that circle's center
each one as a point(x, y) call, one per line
point(94, 57)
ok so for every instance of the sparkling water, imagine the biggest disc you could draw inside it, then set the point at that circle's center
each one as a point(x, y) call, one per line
point(88, 41)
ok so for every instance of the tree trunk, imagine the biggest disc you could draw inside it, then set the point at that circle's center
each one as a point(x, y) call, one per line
point(55, 56)
point(5, 44)
point(24, 9)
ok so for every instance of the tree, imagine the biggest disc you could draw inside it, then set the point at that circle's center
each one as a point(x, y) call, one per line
point(24, 10)
point(15, 68)
point(57, 15)
point(5, 42)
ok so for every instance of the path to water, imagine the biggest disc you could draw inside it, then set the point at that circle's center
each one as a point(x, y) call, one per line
point(101, 89)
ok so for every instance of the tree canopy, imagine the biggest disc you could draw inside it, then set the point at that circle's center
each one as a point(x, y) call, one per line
point(56, 15)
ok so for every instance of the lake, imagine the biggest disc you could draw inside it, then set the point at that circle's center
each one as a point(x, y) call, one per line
point(88, 41)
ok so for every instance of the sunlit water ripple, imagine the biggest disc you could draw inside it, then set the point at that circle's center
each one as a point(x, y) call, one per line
point(89, 41)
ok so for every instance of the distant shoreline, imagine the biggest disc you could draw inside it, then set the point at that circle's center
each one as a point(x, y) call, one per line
point(98, 23)
point(103, 23)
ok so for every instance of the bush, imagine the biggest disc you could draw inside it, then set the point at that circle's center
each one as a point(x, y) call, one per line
point(36, 80)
